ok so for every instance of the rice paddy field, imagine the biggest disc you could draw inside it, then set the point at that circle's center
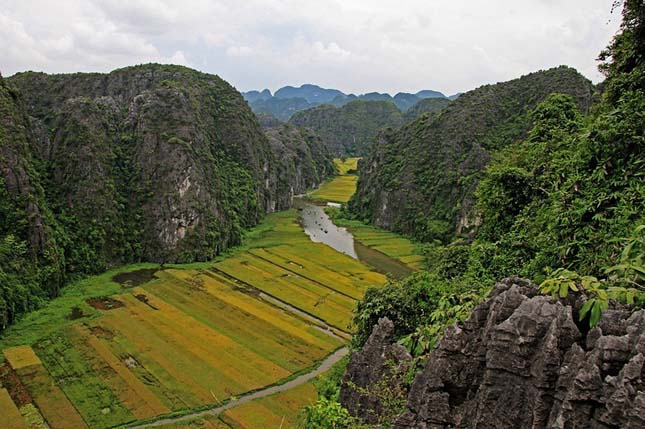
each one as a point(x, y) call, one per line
point(339, 189)
point(389, 243)
point(344, 166)
point(138, 343)
point(142, 343)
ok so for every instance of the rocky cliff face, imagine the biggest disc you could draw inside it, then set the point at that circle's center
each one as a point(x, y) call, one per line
point(166, 162)
point(420, 179)
point(153, 162)
point(523, 360)
point(305, 161)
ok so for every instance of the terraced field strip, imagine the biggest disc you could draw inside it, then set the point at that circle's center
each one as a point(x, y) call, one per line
point(47, 396)
point(313, 273)
point(276, 411)
point(131, 391)
point(262, 393)
point(226, 365)
point(257, 325)
point(147, 353)
point(21, 356)
point(320, 301)
point(324, 264)
point(10, 417)
point(69, 362)
point(174, 360)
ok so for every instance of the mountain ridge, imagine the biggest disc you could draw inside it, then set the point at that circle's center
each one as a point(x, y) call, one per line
point(289, 99)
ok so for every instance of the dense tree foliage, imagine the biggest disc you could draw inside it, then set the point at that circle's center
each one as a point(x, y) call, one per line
point(350, 129)
point(563, 206)
point(421, 179)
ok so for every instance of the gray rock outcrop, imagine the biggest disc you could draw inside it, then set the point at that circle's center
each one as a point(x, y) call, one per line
point(380, 366)
point(523, 360)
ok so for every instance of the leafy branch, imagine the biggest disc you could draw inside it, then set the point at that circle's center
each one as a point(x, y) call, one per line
point(625, 281)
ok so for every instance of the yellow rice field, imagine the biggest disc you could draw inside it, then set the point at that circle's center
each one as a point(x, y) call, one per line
point(276, 411)
point(9, 415)
point(337, 190)
point(191, 337)
point(344, 166)
point(389, 243)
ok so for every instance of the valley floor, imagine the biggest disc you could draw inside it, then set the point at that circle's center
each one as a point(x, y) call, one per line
point(143, 343)
point(339, 189)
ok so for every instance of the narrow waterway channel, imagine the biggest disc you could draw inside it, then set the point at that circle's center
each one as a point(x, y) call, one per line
point(320, 228)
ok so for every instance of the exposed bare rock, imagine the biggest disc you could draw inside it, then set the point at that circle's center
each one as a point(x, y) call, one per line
point(378, 367)
point(523, 360)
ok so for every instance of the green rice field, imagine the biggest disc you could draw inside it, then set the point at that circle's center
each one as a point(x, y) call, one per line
point(108, 354)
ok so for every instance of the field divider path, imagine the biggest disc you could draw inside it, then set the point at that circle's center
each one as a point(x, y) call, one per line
point(324, 366)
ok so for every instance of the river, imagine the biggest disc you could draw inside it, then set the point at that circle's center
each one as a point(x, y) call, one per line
point(320, 229)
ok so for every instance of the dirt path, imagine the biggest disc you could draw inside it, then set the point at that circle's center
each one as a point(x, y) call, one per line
point(216, 410)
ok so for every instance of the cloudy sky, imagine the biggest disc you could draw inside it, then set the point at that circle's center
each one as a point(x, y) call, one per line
point(353, 45)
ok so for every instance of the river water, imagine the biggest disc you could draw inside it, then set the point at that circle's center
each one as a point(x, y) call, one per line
point(320, 229)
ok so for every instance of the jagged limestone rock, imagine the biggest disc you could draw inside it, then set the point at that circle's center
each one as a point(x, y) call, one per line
point(379, 367)
point(523, 360)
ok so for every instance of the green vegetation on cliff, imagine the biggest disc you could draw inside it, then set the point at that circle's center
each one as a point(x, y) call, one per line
point(147, 163)
point(350, 129)
point(429, 106)
point(557, 197)
point(31, 264)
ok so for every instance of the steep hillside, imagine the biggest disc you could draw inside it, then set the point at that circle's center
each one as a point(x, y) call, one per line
point(305, 159)
point(349, 129)
point(158, 163)
point(432, 106)
point(421, 179)
point(31, 262)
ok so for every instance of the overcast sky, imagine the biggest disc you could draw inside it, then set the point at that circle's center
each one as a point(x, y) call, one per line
point(353, 45)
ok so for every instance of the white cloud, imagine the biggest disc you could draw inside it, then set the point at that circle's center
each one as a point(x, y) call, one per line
point(353, 45)
point(239, 51)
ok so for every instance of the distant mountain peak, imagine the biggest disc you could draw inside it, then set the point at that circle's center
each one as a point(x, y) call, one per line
point(290, 99)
